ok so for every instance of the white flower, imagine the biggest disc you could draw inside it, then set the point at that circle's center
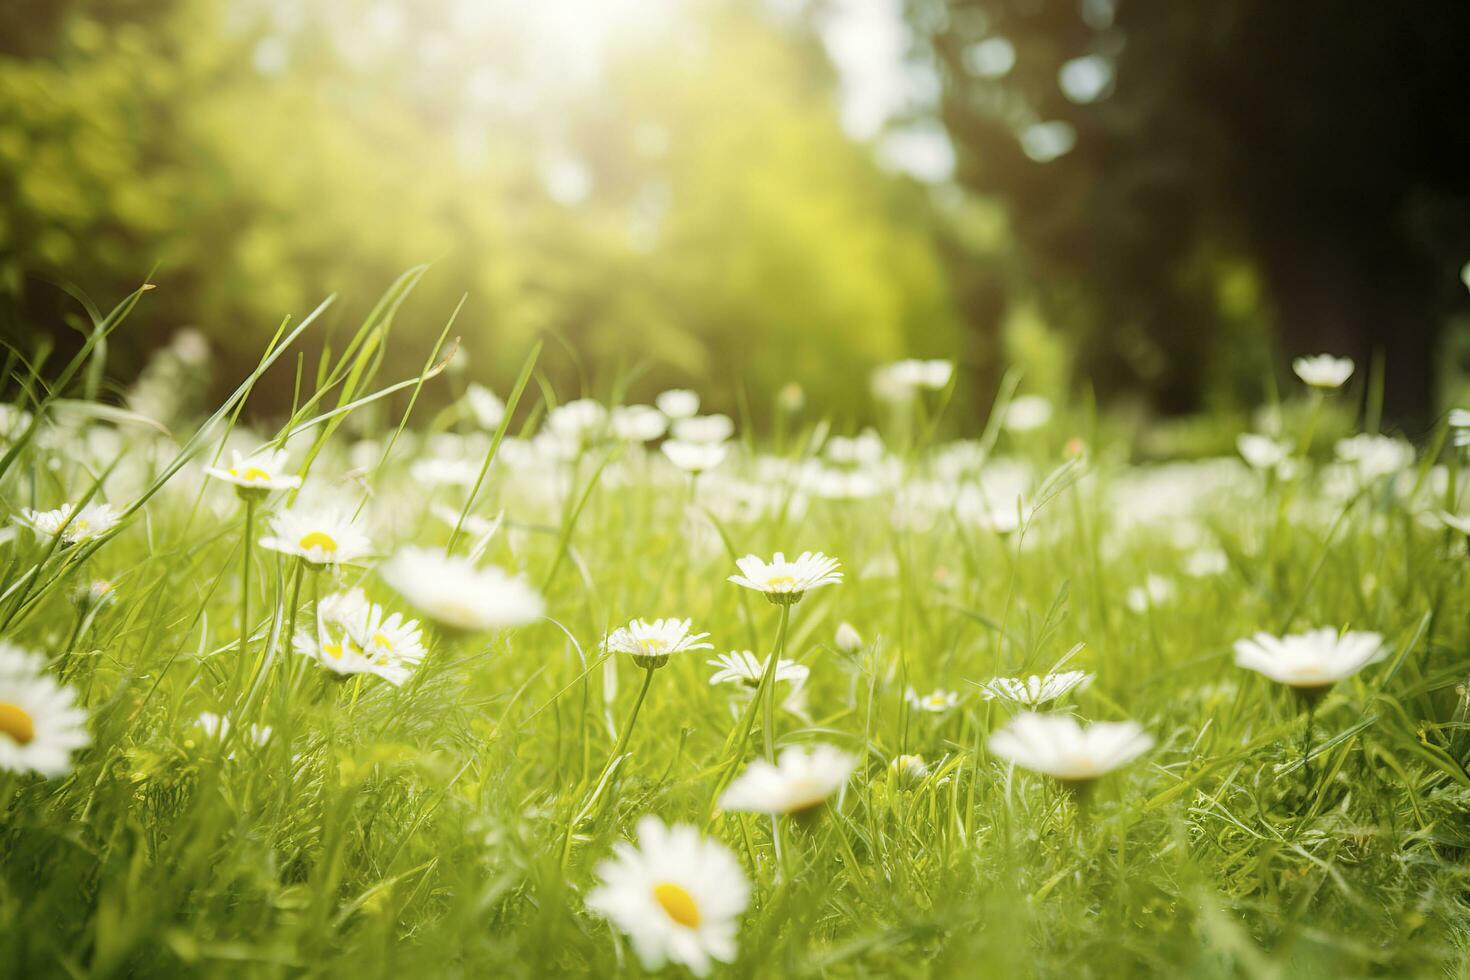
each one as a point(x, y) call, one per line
point(677, 895)
point(1057, 746)
point(936, 702)
point(262, 470)
point(1313, 660)
point(692, 457)
point(577, 423)
point(799, 781)
point(1206, 562)
point(336, 649)
point(321, 537)
point(13, 421)
point(1453, 521)
point(910, 768)
point(440, 471)
point(218, 726)
point(1460, 423)
point(386, 640)
point(863, 449)
point(1262, 452)
point(1034, 691)
point(485, 406)
point(638, 423)
point(1375, 456)
point(40, 723)
point(901, 380)
point(704, 429)
point(651, 643)
point(784, 582)
point(454, 592)
point(1324, 370)
point(744, 667)
point(1027, 413)
point(678, 403)
point(848, 639)
point(89, 522)
point(1155, 591)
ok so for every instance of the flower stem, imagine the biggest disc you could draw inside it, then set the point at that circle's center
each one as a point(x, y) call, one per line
point(597, 800)
point(245, 590)
point(768, 681)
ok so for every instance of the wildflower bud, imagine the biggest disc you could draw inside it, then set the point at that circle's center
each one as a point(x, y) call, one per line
point(849, 640)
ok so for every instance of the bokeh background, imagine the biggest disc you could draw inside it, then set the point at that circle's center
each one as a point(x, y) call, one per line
point(1151, 202)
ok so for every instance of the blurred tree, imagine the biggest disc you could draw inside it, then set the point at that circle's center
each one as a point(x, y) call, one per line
point(690, 206)
point(1183, 176)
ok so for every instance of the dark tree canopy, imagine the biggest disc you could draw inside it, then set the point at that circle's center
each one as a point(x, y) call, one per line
point(1246, 166)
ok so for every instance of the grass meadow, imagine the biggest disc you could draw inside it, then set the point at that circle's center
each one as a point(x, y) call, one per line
point(210, 769)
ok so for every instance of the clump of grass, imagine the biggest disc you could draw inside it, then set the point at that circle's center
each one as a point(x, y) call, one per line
point(248, 804)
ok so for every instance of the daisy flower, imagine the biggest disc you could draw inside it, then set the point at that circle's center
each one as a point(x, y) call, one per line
point(1262, 452)
point(678, 403)
point(784, 582)
point(1374, 456)
point(261, 471)
point(650, 644)
point(383, 638)
point(321, 537)
point(89, 522)
point(693, 457)
point(1323, 370)
point(1310, 662)
point(1034, 691)
point(1057, 746)
point(454, 592)
point(798, 782)
point(40, 723)
point(704, 429)
point(744, 667)
point(485, 406)
point(937, 702)
point(336, 649)
point(910, 768)
point(1027, 413)
point(677, 895)
point(848, 639)
point(638, 423)
point(577, 423)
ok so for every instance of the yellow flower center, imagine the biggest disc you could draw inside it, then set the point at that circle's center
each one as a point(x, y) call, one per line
point(382, 640)
point(318, 539)
point(780, 582)
point(678, 903)
point(653, 645)
point(18, 724)
point(333, 650)
point(251, 475)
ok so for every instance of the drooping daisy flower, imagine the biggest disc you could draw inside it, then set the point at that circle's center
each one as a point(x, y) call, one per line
point(262, 471)
point(1262, 452)
point(638, 423)
point(677, 895)
point(936, 702)
point(1034, 691)
point(744, 667)
point(453, 591)
point(1311, 662)
point(693, 457)
point(784, 582)
point(1323, 370)
point(40, 723)
point(678, 403)
point(321, 537)
point(1057, 746)
point(799, 781)
point(651, 643)
point(704, 429)
point(89, 522)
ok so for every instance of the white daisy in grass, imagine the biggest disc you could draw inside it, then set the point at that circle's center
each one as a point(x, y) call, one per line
point(798, 782)
point(694, 457)
point(638, 423)
point(218, 726)
point(704, 429)
point(384, 638)
point(901, 380)
point(1374, 456)
point(320, 537)
point(785, 582)
point(744, 667)
point(454, 592)
point(847, 638)
point(677, 895)
point(1262, 452)
point(336, 649)
point(651, 643)
point(262, 470)
point(1027, 413)
point(88, 522)
point(1323, 370)
point(1060, 747)
point(486, 407)
point(1310, 662)
point(40, 723)
point(1034, 691)
point(936, 702)
point(910, 768)
point(579, 422)
point(347, 609)
point(678, 403)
